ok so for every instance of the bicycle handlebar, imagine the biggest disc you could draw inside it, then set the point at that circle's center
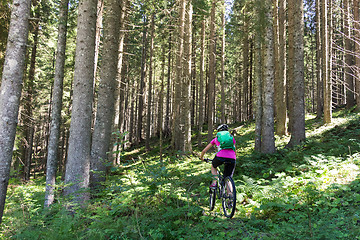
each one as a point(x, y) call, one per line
point(207, 160)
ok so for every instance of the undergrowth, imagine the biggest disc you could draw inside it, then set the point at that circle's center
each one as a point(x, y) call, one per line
point(308, 192)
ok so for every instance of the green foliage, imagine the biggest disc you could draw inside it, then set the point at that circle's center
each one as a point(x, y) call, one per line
point(309, 192)
point(119, 143)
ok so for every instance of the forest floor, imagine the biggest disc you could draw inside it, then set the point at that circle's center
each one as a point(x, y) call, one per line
point(309, 192)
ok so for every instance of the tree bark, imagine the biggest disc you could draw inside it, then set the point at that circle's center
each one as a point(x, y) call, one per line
point(267, 129)
point(106, 98)
point(177, 135)
point(258, 93)
point(132, 115)
point(194, 83)
point(10, 92)
point(330, 51)
point(99, 26)
point(201, 83)
point(357, 53)
point(327, 86)
point(251, 55)
point(212, 73)
point(296, 73)
point(161, 102)
point(119, 117)
point(223, 81)
point(245, 72)
point(78, 161)
point(349, 80)
point(167, 126)
point(142, 84)
point(319, 62)
point(27, 114)
point(149, 104)
point(186, 115)
point(54, 136)
point(280, 68)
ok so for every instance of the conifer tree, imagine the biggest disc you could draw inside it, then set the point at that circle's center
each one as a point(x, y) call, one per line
point(267, 129)
point(212, 71)
point(10, 91)
point(296, 73)
point(78, 161)
point(357, 52)
point(327, 86)
point(106, 100)
point(53, 145)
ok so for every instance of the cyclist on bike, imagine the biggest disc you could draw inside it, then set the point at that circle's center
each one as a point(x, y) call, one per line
point(224, 155)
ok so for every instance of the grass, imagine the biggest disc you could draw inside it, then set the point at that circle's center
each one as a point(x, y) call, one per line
point(309, 192)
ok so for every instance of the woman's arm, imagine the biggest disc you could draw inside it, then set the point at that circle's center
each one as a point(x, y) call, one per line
point(205, 150)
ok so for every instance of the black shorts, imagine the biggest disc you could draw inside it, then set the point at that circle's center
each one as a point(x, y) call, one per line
point(229, 166)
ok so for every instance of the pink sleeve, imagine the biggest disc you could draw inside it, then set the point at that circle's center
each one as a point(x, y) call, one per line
point(213, 142)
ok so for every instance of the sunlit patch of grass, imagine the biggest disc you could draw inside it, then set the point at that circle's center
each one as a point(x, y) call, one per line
point(325, 127)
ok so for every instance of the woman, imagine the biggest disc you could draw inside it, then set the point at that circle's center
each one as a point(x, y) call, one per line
point(225, 155)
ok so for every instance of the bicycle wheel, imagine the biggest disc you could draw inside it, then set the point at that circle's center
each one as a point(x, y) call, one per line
point(212, 198)
point(229, 197)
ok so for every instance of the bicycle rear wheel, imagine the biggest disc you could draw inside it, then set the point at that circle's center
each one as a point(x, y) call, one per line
point(212, 198)
point(229, 197)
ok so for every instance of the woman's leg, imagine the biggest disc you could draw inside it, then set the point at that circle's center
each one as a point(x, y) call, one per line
point(215, 174)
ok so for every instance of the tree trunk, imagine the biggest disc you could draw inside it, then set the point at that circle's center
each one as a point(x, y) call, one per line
point(267, 129)
point(106, 98)
point(319, 62)
point(27, 116)
point(142, 84)
point(250, 100)
point(212, 72)
point(177, 134)
point(223, 82)
point(161, 102)
point(357, 53)
point(186, 114)
point(236, 94)
point(245, 73)
point(119, 117)
point(167, 127)
point(330, 52)
point(296, 73)
point(325, 64)
point(149, 104)
point(78, 161)
point(280, 68)
point(201, 83)
point(349, 81)
point(132, 116)
point(99, 26)
point(53, 145)
point(194, 83)
point(10, 93)
point(258, 93)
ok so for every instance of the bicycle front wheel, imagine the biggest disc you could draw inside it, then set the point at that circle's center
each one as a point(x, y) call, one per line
point(229, 197)
point(212, 198)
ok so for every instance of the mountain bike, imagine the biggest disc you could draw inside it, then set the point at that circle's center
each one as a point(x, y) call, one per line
point(224, 190)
